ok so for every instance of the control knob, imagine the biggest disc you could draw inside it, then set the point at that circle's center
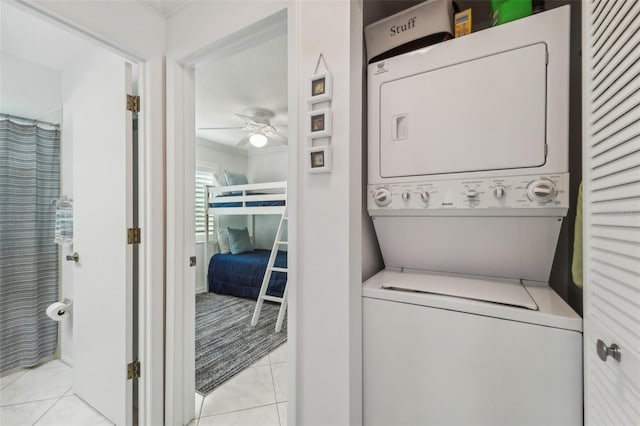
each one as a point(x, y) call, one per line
point(542, 191)
point(472, 194)
point(425, 196)
point(499, 192)
point(406, 195)
point(382, 197)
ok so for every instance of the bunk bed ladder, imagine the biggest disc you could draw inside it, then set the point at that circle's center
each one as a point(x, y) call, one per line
point(262, 296)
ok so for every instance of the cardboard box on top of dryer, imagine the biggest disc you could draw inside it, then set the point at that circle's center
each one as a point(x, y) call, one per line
point(419, 26)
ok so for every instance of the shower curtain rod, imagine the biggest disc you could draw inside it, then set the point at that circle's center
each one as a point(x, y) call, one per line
point(30, 120)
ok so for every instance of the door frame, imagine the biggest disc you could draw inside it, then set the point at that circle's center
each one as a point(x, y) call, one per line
point(150, 200)
point(180, 347)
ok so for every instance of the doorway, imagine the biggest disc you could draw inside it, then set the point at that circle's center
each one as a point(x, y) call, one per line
point(241, 94)
point(182, 66)
point(55, 80)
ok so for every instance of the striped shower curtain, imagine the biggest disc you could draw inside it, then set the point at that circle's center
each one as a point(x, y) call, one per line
point(29, 181)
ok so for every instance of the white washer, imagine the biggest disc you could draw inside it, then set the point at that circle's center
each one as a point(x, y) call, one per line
point(431, 359)
point(468, 187)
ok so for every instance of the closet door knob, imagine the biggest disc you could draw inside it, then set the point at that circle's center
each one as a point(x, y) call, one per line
point(605, 351)
point(73, 257)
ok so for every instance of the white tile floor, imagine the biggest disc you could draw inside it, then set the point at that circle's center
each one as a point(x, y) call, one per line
point(42, 396)
point(255, 397)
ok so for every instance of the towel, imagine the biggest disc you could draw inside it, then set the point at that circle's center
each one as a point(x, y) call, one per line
point(576, 264)
point(64, 221)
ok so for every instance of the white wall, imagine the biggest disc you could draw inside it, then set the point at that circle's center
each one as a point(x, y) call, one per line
point(117, 24)
point(226, 157)
point(54, 116)
point(197, 26)
point(267, 165)
point(28, 90)
point(329, 351)
point(221, 158)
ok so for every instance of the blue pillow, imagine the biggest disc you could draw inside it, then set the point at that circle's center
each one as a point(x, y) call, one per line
point(235, 178)
point(239, 241)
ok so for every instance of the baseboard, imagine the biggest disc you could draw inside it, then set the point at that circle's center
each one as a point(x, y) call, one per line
point(67, 360)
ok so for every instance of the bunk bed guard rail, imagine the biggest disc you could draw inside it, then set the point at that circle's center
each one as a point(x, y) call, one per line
point(250, 199)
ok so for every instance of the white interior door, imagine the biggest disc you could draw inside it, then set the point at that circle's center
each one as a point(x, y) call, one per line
point(611, 189)
point(102, 307)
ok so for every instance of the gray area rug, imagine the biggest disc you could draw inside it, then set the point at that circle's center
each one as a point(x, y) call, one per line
point(226, 343)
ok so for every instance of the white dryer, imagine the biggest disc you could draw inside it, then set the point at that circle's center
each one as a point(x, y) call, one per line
point(467, 188)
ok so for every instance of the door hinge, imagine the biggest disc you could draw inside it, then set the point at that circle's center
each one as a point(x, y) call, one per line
point(133, 103)
point(133, 236)
point(133, 370)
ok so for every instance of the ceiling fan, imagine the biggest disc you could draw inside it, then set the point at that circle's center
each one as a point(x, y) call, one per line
point(259, 128)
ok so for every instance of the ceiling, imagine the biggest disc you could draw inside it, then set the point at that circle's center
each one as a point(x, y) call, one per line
point(35, 52)
point(47, 45)
point(247, 70)
point(243, 71)
point(165, 8)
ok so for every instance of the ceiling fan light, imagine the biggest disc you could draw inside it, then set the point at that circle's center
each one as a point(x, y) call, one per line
point(258, 140)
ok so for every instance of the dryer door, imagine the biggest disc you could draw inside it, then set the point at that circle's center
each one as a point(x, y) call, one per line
point(488, 113)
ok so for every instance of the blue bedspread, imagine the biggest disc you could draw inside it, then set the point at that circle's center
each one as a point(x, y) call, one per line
point(249, 203)
point(241, 274)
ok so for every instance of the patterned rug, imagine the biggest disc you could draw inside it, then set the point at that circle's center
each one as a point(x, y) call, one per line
point(226, 343)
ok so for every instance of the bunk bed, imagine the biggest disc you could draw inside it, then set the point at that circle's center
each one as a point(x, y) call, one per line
point(242, 274)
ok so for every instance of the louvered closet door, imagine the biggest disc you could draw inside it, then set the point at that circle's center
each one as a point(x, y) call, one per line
point(611, 114)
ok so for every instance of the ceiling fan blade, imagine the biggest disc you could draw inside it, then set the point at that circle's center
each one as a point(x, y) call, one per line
point(220, 128)
point(246, 118)
point(243, 141)
point(279, 138)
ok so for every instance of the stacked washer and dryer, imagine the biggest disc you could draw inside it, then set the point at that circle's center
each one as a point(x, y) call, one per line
point(467, 188)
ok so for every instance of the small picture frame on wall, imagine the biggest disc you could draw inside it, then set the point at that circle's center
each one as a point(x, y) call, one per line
point(319, 159)
point(320, 86)
point(319, 123)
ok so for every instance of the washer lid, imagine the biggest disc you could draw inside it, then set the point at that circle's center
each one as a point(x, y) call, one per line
point(552, 310)
point(494, 290)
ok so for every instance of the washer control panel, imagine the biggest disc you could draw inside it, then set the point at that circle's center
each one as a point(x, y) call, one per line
point(535, 191)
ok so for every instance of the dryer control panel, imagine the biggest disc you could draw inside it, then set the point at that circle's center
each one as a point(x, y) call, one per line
point(470, 196)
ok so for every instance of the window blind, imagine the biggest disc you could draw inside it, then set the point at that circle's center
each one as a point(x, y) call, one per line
point(202, 179)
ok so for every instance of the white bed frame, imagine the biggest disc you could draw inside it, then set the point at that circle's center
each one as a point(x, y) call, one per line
point(270, 191)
